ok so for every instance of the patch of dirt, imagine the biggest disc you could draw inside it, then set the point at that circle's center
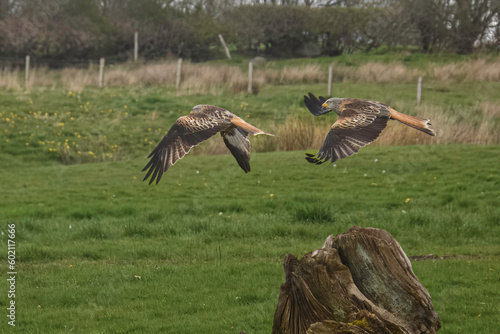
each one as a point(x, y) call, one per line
point(431, 257)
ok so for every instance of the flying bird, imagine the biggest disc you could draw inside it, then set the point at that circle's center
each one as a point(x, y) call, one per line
point(203, 122)
point(360, 122)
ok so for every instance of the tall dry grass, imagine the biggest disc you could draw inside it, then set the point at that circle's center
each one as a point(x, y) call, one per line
point(10, 79)
point(469, 71)
point(195, 79)
point(218, 79)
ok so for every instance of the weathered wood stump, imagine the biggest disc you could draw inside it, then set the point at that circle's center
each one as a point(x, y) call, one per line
point(359, 282)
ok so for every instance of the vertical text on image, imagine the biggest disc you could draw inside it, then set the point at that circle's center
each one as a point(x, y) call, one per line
point(11, 274)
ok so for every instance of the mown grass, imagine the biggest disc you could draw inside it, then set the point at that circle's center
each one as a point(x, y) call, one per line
point(100, 251)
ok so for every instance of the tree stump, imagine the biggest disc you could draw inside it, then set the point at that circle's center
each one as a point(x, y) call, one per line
point(359, 282)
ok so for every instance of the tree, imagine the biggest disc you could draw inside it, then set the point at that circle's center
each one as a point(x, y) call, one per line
point(470, 22)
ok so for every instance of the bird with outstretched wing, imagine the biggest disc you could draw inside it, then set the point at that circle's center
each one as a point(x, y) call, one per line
point(203, 122)
point(360, 122)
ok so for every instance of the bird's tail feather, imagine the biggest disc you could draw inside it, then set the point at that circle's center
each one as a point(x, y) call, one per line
point(248, 127)
point(418, 123)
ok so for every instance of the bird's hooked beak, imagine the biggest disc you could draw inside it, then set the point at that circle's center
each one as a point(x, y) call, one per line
point(325, 105)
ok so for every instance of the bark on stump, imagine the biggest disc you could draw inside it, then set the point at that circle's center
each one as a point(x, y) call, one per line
point(359, 282)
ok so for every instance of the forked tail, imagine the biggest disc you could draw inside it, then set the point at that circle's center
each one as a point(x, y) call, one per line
point(248, 127)
point(418, 123)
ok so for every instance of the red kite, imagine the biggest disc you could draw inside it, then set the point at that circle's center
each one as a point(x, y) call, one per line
point(203, 122)
point(360, 122)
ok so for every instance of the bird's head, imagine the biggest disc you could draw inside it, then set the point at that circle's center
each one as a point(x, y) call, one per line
point(332, 104)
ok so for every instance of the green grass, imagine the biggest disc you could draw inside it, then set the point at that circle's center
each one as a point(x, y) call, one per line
point(210, 256)
point(99, 251)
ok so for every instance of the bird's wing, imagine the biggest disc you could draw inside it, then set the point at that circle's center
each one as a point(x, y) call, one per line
point(352, 130)
point(188, 131)
point(236, 140)
point(315, 105)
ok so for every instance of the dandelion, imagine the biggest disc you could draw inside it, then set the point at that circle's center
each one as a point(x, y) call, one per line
point(374, 184)
point(135, 177)
point(68, 266)
point(271, 195)
point(72, 119)
point(60, 124)
point(7, 140)
point(407, 200)
point(125, 106)
point(27, 144)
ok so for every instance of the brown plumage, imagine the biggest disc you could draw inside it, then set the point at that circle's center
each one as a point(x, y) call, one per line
point(203, 122)
point(360, 122)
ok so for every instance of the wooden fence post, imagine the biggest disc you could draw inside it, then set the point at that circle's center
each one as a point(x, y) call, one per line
point(101, 72)
point(136, 45)
point(419, 90)
point(225, 46)
point(178, 77)
point(250, 76)
point(27, 74)
point(330, 78)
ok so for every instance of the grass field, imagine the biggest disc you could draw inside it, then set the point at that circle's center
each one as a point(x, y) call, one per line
point(99, 251)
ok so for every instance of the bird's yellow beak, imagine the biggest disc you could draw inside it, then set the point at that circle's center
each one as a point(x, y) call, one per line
point(324, 105)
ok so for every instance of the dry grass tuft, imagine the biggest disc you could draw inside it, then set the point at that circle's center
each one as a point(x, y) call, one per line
point(386, 73)
point(312, 73)
point(472, 70)
point(10, 79)
point(301, 133)
point(76, 80)
point(490, 110)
